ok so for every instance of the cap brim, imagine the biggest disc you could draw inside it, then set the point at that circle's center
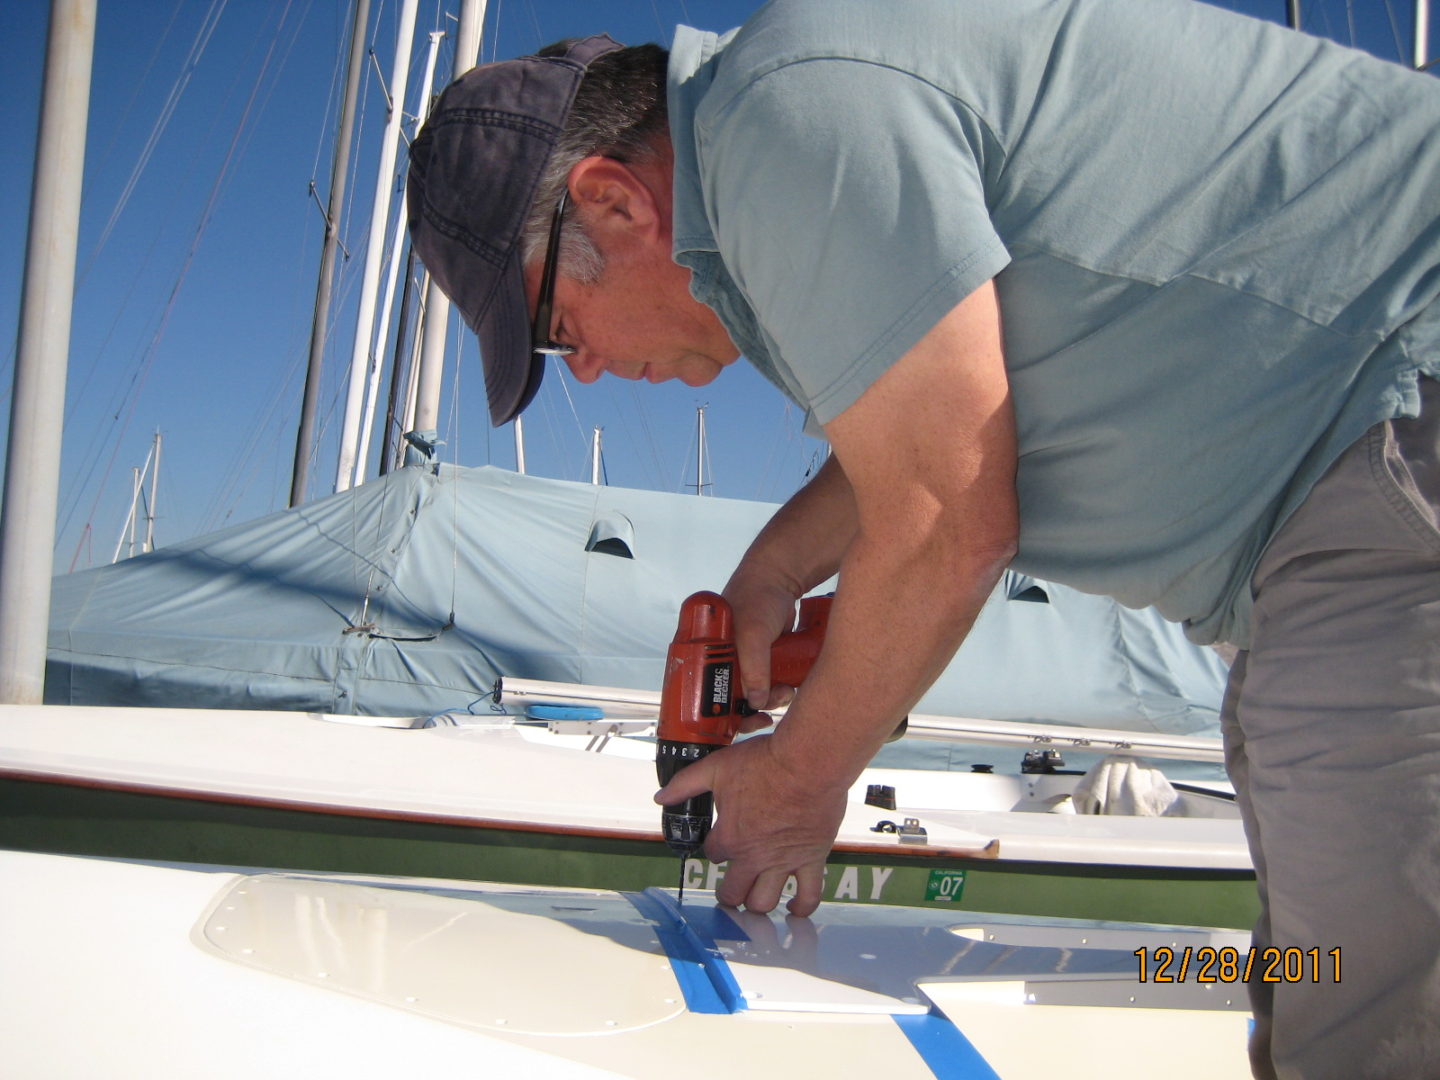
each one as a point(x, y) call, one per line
point(512, 370)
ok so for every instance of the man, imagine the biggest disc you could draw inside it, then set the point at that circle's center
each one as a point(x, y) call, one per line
point(1137, 293)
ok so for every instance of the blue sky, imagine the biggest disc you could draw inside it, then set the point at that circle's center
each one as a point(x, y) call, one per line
point(200, 244)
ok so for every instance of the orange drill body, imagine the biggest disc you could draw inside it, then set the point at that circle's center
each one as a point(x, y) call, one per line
point(702, 699)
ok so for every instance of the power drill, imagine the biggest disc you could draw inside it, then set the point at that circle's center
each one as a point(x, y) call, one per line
point(702, 700)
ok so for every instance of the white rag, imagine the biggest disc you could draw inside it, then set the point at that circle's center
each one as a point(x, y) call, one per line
point(1126, 785)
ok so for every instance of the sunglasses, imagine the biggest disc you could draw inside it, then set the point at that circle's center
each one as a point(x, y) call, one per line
point(540, 343)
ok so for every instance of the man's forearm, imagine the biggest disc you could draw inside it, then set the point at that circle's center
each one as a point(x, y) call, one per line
point(803, 544)
point(906, 601)
point(929, 456)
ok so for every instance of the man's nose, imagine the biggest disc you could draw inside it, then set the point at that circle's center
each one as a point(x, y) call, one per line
point(585, 366)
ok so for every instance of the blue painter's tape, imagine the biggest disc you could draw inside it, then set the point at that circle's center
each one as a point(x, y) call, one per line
point(704, 976)
point(711, 924)
point(944, 1048)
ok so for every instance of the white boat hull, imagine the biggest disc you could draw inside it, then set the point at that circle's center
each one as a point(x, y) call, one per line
point(137, 970)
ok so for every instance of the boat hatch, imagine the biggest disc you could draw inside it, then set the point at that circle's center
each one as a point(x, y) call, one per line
point(507, 961)
point(573, 963)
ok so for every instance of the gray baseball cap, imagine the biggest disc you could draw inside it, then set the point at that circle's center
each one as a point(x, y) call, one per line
point(474, 168)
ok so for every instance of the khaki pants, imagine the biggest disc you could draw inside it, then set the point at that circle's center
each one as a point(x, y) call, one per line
point(1332, 736)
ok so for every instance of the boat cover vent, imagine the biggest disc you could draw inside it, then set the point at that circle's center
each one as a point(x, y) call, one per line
point(612, 534)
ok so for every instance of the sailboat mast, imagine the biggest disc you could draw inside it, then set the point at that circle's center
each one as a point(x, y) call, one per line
point(399, 370)
point(138, 486)
point(397, 244)
point(374, 251)
point(339, 178)
point(154, 496)
point(1420, 54)
point(37, 407)
point(700, 450)
point(467, 35)
point(437, 305)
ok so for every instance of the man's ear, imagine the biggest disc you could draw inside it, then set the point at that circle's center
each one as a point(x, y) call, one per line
point(613, 197)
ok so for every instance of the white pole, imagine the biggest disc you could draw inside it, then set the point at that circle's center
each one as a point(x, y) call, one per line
point(375, 248)
point(154, 497)
point(437, 304)
point(37, 407)
point(467, 35)
point(520, 445)
point(595, 458)
point(382, 332)
point(137, 486)
point(397, 242)
point(432, 359)
point(1421, 51)
point(700, 450)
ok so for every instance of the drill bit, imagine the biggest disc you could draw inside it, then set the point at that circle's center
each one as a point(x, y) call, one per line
point(680, 890)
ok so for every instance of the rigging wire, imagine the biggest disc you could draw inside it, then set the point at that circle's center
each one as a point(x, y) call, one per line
point(552, 427)
point(565, 386)
point(653, 469)
point(235, 150)
point(539, 34)
point(783, 439)
point(329, 114)
point(235, 471)
point(162, 122)
point(1395, 32)
point(137, 86)
point(82, 384)
point(366, 623)
point(495, 31)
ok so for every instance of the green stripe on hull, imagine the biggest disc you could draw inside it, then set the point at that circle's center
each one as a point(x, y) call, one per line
point(37, 816)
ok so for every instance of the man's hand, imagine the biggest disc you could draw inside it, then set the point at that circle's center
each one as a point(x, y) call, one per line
point(772, 821)
point(762, 610)
point(800, 547)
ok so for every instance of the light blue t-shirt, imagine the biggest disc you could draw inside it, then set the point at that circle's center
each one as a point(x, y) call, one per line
point(1215, 245)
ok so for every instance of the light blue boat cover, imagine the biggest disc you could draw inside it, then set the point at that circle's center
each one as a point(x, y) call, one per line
point(411, 594)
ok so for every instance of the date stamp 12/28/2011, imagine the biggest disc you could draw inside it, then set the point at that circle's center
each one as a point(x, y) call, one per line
point(1205, 964)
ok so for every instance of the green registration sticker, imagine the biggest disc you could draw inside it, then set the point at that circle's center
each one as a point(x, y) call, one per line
point(945, 885)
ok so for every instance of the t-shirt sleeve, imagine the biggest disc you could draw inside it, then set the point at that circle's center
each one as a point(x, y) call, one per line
point(848, 202)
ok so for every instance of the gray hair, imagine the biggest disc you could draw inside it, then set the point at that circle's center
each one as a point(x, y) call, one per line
point(619, 112)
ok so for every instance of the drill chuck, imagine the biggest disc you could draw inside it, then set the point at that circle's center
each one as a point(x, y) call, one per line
point(686, 824)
